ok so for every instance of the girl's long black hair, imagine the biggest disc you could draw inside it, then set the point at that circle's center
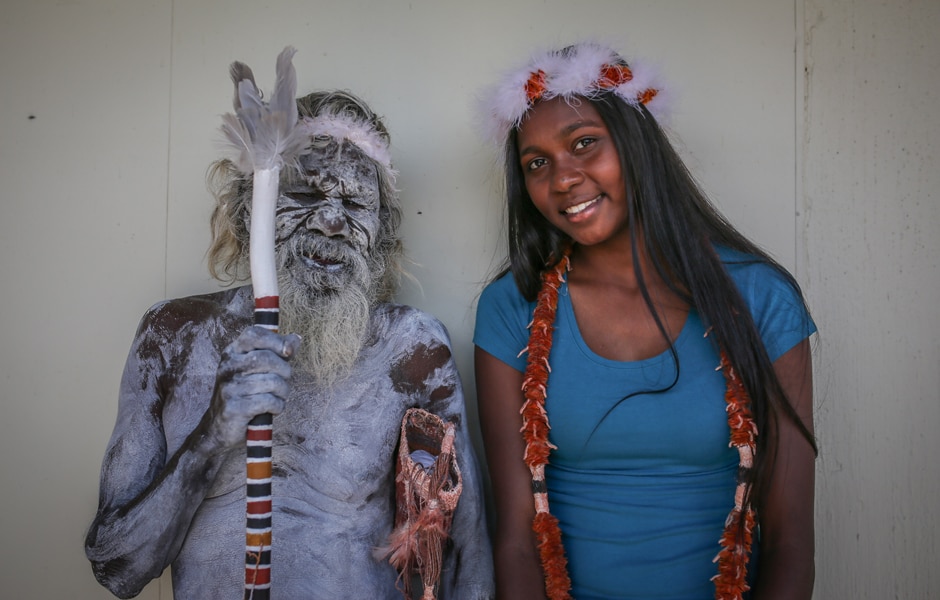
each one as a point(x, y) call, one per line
point(680, 228)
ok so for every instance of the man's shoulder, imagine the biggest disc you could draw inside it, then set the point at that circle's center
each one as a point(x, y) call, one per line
point(401, 320)
point(175, 314)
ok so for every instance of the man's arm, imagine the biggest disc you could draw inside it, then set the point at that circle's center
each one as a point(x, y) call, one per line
point(132, 539)
point(467, 572)
point(147, 499)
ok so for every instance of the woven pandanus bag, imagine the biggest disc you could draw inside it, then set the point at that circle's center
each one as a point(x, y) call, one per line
point(427, 488)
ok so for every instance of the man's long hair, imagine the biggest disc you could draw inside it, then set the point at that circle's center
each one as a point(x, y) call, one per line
point(679, 228)
point(228, 252)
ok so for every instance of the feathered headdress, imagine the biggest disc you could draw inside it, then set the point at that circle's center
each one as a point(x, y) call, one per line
point(585, 69)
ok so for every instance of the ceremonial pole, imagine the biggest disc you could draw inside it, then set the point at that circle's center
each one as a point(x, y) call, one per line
point(266, 139)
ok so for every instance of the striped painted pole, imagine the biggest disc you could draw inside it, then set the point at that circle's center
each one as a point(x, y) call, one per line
point(258, 523)
point(264, 137)
point(260, 432)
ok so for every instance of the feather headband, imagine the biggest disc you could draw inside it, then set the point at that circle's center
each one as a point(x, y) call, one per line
point(586, 69)
point(360, 133)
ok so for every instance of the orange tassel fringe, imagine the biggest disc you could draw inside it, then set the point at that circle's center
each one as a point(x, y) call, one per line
point(554, 564)
point(735, 543)
point(731, 580)
point(732, 559)
point(535, 432)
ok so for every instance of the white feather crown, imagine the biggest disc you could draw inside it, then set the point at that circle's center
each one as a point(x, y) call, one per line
point(586, 69)
point(344, 127)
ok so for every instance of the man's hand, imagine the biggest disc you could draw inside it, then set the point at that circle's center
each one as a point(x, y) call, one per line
point(253, 378)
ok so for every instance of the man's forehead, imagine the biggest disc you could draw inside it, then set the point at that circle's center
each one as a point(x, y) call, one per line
point(336, 154)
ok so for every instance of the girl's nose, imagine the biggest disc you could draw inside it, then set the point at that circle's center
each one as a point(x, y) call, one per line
point(565, 176)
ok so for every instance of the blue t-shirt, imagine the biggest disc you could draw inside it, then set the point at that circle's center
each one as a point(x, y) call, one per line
point(642, 487)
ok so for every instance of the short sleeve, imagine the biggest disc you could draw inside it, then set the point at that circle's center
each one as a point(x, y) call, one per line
point(502, 320)
point(777, 306)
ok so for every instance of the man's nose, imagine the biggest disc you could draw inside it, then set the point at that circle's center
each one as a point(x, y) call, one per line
point(329, 220)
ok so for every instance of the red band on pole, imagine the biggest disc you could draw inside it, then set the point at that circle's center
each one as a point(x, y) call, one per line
point(267, 302)
point(259, 507)
point(259, 576)
point(259, 435)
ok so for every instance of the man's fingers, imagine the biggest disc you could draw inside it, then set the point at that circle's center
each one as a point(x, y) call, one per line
point(258, 383)
point(247, 407)
point(259, 338)
point(291, 345)
point(255, 362)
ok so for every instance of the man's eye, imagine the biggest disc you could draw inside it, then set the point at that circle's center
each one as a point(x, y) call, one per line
point(355, 202)
point(304, 197)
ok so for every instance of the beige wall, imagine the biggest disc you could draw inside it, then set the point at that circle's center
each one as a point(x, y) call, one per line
point(108, 118)
point(870, 241)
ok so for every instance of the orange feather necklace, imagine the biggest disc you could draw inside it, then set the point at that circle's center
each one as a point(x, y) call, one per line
point(735, 542)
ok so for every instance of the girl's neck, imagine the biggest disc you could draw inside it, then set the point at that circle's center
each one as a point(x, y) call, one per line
point(609, 269)
point(612, 263)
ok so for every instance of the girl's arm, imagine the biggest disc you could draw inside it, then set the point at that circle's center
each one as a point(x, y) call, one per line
point(787, 566)
point(516, 557)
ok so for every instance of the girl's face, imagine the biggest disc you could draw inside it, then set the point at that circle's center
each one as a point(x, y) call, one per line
point(572, 171)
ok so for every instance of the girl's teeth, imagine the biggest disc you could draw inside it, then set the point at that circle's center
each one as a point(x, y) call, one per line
point(579, 207)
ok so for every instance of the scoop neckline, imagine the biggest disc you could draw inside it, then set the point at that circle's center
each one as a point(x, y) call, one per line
point(582, 345)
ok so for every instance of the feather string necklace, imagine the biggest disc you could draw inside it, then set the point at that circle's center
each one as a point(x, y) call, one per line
point(731, 580)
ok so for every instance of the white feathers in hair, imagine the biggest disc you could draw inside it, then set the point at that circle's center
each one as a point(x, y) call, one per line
point(263, 134)
point(577, 70)
point(267, 135)
point(344, 127)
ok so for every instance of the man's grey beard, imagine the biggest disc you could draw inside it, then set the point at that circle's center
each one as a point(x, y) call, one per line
point(332, 319)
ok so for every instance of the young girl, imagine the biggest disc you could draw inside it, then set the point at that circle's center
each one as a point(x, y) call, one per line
point(643, 370)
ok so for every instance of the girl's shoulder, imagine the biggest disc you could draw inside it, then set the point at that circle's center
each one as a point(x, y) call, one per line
point(773, 297)
point(502, 284)
point(754, 274)
point(503, 295)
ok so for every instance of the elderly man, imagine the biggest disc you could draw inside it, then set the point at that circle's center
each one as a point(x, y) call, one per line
point(173, 476)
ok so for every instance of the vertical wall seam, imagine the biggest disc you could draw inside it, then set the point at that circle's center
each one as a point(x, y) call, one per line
point(169, 144)
point(799, 113)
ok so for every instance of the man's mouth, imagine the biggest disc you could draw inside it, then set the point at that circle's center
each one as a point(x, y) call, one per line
point(315, 261)
point(577, 208)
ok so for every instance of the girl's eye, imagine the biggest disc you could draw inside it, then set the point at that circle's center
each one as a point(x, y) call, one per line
point(584, 142)
point(535, 164)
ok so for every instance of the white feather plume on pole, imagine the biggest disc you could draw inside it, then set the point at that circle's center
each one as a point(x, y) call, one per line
point(264, 137)
point(263, 134)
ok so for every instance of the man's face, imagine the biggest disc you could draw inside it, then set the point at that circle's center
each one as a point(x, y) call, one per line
point(328, 217)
